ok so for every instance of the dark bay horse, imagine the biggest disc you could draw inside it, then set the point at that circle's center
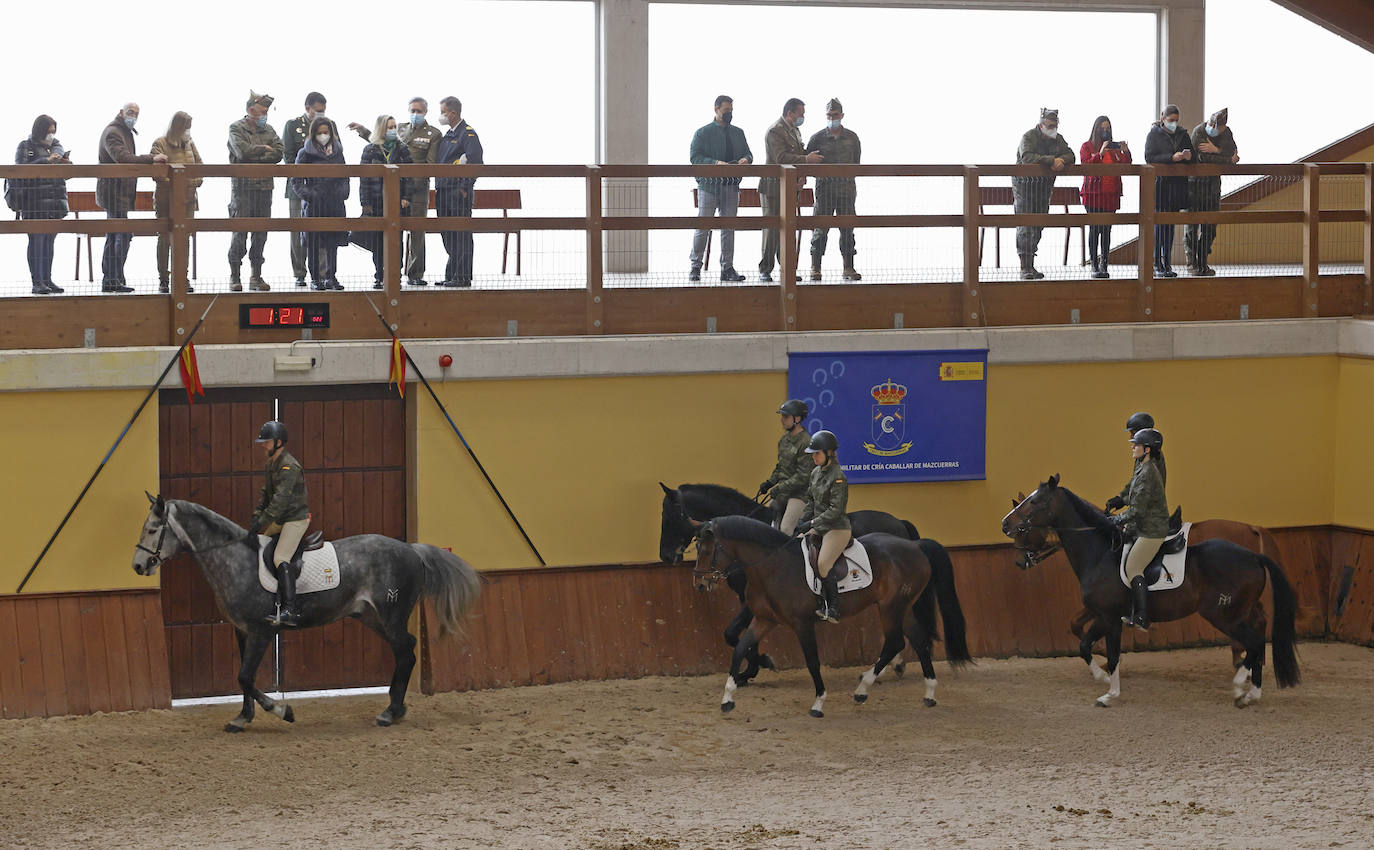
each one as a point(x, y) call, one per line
point(690, 505)
point(1222, 581)
point(777, 593)
point(381, 579)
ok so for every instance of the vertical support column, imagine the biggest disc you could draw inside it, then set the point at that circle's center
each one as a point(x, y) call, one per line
point(1181, 60)
point(973, 313)
point(1145, 294)
point(176, 224)
point(595, 309)
point(1368, 236)
point(787, 246)
point(391, 246)
point(1311, 241)
point(622, 106)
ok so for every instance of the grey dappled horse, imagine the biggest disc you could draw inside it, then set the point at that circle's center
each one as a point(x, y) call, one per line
point(380, 581)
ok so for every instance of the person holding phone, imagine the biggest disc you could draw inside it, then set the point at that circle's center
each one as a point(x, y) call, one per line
point(1168, 144)
point(40, 198)
point(1101, 194)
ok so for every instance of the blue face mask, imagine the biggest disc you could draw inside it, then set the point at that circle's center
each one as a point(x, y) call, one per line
point(1213, 131)
point(391, 135)
point(416, 119)
point(130, 122)
point(262, 122)
point(1171, 126)
point(798, 122)
point(833, 124)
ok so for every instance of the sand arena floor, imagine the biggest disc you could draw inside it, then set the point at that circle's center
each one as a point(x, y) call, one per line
point(1015, 755)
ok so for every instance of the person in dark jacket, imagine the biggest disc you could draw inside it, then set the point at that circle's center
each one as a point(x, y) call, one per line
point(322, 197)
point(294, 136)
point(718, 143)
point(1147, 517)
point(1101, 194)
point(388, 151)
point(453, 195)
point(1040, 145)
point(1168, 144)
point(1138, 422)
point(40, 198)
point(1215, 145)
point(116, 195)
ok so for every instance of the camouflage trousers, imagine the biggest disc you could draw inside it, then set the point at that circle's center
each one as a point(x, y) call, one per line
point(834, 197)
point(1204, 195)
point(1030, 195)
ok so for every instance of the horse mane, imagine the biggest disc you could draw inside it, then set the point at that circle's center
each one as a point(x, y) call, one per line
point(209, 517)
point(733, 501)
point(747, 530)
point(1090, 514)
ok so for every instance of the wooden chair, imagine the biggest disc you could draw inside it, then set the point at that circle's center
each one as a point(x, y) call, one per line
point(750, 198)
point(504, 200)
point(1000, 196)
point(84, 202)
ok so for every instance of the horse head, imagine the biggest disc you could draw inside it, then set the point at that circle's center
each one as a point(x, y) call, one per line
point(1030, 525)
point(678, 527)
point(155, 544)
point(705, 573)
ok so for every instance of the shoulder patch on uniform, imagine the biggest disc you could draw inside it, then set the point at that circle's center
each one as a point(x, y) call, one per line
point(841, 480)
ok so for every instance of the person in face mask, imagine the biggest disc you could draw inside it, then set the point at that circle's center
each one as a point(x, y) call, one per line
point(386, 149)
point(835, 195)
point(1168, 144)
point(40, 198)
point(783, 144)
point(322, 197)
point(294, 136)
point(251, 140)
point(1040, 145)
point(718, 143)
point(1102, 194)
point(1215, 145)
point(177, 146)
point(116, 195)
point(422, 141)
point(453, 195)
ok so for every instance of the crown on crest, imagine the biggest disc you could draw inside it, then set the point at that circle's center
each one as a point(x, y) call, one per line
point(888, 392)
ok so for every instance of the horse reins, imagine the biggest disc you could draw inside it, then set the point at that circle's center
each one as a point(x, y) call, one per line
point(734, 566)
point(155, 557)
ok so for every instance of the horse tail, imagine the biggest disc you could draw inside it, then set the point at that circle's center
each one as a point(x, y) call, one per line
point(1285, 613)
point(1267, 544)
point(942, 576)
point(453, 584)
point(910, 530)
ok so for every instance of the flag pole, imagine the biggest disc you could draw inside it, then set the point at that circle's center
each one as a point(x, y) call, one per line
point(480, 468)
point(101, 468)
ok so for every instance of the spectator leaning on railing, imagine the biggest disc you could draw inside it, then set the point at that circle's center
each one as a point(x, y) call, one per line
point(783, 144)
point(1215, 145)
point(835, 195)
point(1102, 194)
point(40, 198)
point(1040, 145)
point(177, 146)
point(718, 143)
point(387, 149)
point(1166, 144)
point(294, 136)
point(322, 197)
point(116, 195)
point(251, 140)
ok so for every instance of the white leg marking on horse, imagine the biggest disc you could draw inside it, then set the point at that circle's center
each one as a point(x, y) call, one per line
point(930, 689)
point(729, 690)
point(1113, 690)
point(1250, 698)
point(1238, 681)
point(868, 678)
point(1095, 667)
point(279, 709)
point(818, 707)
point(238, 722)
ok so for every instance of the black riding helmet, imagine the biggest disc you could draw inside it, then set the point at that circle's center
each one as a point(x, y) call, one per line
point(794, 407)
point(822, 441)
point(1139, 421)
point(271, 431)
point(1149, 438)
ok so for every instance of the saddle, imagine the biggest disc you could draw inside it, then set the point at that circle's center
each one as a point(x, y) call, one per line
point(310, 542)
point(853, 566)
point(1165, 570)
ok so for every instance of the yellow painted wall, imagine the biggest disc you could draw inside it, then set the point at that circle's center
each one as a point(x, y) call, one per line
point(50, 443)
point(579, 459)
point(1354, 476)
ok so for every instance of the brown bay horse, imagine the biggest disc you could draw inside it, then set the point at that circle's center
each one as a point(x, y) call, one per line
point(777, 594)
point(1223, 581)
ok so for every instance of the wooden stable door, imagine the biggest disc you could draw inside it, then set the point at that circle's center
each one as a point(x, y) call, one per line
point(352, 442)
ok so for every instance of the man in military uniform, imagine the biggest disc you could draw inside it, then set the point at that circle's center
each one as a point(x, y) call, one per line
point(835, 195)
point(282, 513)
point(1040, 145)
point(422, 140)
point(294, 136)
point(1215, 145)
point(453, 195)
point(783, 145)
point(251, 139)
point(786, 487)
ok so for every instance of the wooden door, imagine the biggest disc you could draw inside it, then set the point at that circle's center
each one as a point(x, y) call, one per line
point(351, 441)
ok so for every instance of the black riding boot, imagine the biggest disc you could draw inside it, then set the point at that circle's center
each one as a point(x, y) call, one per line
point(286, 591)
point(829, 609)
point(1140, 595)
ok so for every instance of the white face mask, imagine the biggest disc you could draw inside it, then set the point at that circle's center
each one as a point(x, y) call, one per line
point(321, 139)
point(48, 139)
point(1049, 134)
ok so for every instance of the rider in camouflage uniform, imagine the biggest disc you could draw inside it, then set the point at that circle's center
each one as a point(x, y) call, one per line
point(283, 513)
point(1147, 516)
point(1135, 423)
point(786, 487)
point(828, 501)
point(835, 195)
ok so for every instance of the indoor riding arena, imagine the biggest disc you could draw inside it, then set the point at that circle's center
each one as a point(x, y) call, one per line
point(552, 606)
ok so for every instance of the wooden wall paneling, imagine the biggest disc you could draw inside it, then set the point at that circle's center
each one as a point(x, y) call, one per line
point(686, 309)
point(1353, 550)
point(116, 653)
point(50, 638)
point(12, 696)
point(76, 676)
point(35, 701)
point(374, 431)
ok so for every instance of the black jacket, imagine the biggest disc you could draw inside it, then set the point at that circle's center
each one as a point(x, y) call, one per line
point(321, 196)
point(370, 188)
point(1171, 193)
point(40, 197)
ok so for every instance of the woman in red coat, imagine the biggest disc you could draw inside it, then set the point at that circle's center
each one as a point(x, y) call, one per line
point(1101, 194)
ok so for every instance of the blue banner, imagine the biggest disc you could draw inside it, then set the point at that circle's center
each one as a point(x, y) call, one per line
point(899, 415)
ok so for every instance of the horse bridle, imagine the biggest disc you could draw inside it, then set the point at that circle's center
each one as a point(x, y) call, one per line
point(1037, 556)
point(155, 556)
point(717, 575)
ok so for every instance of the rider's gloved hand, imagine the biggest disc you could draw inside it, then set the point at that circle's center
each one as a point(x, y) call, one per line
point(763, 488)
point(1115, 503)
point(251, 538)
point(804, 526)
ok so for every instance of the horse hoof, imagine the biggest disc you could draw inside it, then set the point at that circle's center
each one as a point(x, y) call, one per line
point(233, 727)
point(766, 662)
point(289, 716)
point(1240, 702)
point(727, 707)
point(861, 698)
point(930, 703)
point(384, 719)
point(899, 669)
point(1102, 704)
point(816, 712)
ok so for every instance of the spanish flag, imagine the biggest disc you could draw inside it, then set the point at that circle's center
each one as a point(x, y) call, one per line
point(190, 373)
point(398, 367)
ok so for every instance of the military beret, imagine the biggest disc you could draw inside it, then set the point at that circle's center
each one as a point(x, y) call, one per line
point(1047, 113)
point(834, 104)
point(255, 99)
point(1219, 117)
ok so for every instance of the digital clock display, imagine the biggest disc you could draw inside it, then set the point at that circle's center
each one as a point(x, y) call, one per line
point(283, 315)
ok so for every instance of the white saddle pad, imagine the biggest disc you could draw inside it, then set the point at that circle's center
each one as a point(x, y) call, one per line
point(858, 574)
point(319, 572)
point(1172, 575)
